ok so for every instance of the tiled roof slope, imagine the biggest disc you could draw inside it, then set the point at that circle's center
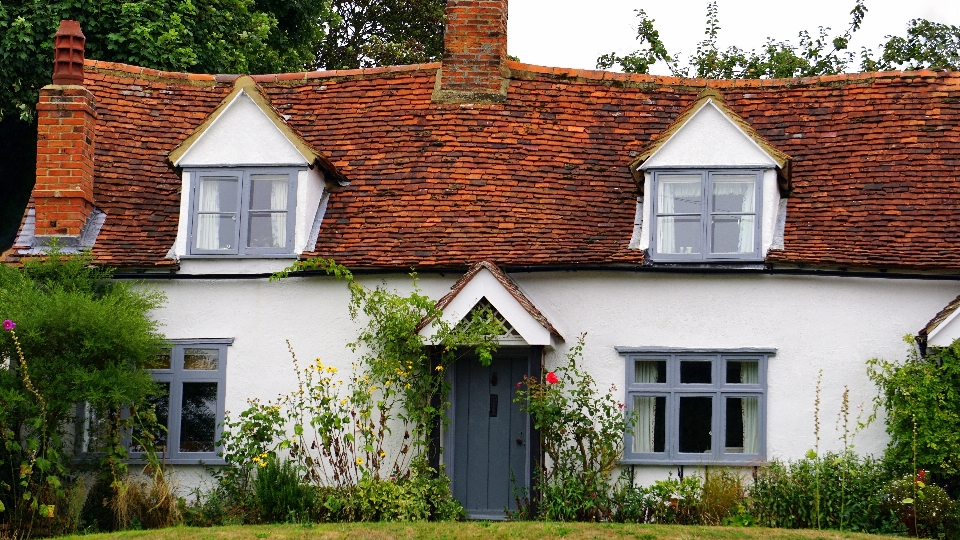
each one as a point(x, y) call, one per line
point(543, 179)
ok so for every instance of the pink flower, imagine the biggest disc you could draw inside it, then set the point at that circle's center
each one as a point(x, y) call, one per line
point(518, 386)
point(621, 405)
point(9, 325)
point(552, 378)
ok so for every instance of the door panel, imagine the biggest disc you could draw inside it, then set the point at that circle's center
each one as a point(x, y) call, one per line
point(485, 426)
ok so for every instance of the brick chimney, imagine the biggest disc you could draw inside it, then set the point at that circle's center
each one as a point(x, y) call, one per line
point(66, 118)
point(474, 51)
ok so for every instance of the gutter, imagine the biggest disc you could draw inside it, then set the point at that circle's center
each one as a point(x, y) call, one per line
point(804, 272)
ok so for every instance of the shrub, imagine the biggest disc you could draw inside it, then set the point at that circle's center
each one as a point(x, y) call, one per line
point(670, 501)
point(924, 509)
point(582, 436)
point(922, 401)
point(829, 491)
point(279, 493)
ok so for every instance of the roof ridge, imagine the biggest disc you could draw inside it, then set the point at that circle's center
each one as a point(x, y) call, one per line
point(668, 80)
point(101, 65)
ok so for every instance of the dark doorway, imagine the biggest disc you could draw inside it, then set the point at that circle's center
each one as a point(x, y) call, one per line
point(487, 450)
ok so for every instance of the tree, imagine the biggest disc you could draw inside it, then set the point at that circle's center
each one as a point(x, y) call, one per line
point(71, 336)
point(927, 45)
point(383, 32)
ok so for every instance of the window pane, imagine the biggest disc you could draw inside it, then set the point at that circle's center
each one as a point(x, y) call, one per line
point(742, 425)
point(218, 194)
point(216, 231)
point(267, 230)
point(696, 372)
point(696, 418)
point(734, 193)
point(650, 427)
point(268, 192)
point(95, 430)
point(680, 194)
point(650, 371)
point(160, 361)
point(198, 417)
point(733, 234)
point(678, 234)
point(743, 372)
point(201, 359)
point(161, 404)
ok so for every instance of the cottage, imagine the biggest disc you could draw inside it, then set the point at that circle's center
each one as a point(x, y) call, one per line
point(723, 244)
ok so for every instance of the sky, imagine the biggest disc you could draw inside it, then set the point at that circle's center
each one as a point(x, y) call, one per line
point(562, 33)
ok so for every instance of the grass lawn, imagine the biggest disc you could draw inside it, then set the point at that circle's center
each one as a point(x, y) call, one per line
point(479, 530)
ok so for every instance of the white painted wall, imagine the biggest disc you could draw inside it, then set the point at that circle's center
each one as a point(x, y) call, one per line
point(242, 135)
point(831, 324)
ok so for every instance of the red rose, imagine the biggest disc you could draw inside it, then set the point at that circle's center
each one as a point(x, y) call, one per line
point(552, 378)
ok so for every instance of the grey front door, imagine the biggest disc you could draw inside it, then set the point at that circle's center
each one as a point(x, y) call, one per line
point(487, 450)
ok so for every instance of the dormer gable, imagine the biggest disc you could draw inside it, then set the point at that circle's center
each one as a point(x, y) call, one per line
point(252, 186)
point(711, 189)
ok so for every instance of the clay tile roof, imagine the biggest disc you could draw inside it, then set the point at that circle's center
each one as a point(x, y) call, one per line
point(507, 283)
point(543, 179)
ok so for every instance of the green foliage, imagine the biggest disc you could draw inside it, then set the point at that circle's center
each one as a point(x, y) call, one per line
point(582, 437)
point(79, 338)
point(279, 494)
point(924, 509)
point(928, 45)
point(671, 501)
point(851, 494)
point(922, 401)
point(386, 32)
point(207, 36)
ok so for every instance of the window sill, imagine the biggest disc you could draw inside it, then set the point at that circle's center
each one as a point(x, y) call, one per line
point(746, 461)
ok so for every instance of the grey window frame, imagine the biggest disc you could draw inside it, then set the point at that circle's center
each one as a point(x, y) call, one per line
point(673, 390)
point(175, 377)
point(243, 176)
point(706, 211)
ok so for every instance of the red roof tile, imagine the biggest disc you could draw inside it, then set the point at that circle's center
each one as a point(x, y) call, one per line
point(543, 178)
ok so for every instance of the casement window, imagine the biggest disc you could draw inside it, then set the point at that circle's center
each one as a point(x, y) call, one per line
point(706, 215)
point(243, 212)
point(191, 375)
point(696, 407)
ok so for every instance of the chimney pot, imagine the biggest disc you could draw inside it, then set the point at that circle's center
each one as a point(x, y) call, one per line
point(68, 44)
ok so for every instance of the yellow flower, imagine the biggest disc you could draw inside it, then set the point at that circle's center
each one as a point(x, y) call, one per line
point(332, 369)
point(359, 461)
point(382, 453)
point(439, 368)
point(343, 401)
point(408, 386)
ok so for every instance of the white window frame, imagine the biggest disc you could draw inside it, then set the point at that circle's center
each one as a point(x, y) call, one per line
point(719, 390)
point(243, 176)
point(706, 213)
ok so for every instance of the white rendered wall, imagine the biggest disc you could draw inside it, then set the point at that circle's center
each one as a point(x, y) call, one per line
point(242, 135)
point(815, 323)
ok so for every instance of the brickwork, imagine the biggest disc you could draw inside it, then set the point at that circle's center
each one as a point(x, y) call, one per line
point(475, 46)
point(63, 195)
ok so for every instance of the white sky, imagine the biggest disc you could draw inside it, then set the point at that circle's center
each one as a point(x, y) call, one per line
point(565, 33)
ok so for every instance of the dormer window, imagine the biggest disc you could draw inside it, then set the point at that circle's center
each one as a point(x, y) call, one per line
point(703, 215)
point(243, 212)
point(711, 190)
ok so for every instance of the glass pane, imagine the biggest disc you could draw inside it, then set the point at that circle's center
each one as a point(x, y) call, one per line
point(733, 234)
point(734, 193)
point(201, 359)
point(680, 194)
point(650, 427)
point(198, 417)
point(95, 430)
point(678, 234)
point(696, 418)
point(160, 361)
point(268, 192)
point(161, 404)
point(743, 372)
point(216, 231)
point(650, 371)
point(218, 194)
point(742, 425)
point(267, 230)
point(696, 372)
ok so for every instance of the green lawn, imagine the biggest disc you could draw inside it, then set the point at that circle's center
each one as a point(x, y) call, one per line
point(519, 530)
